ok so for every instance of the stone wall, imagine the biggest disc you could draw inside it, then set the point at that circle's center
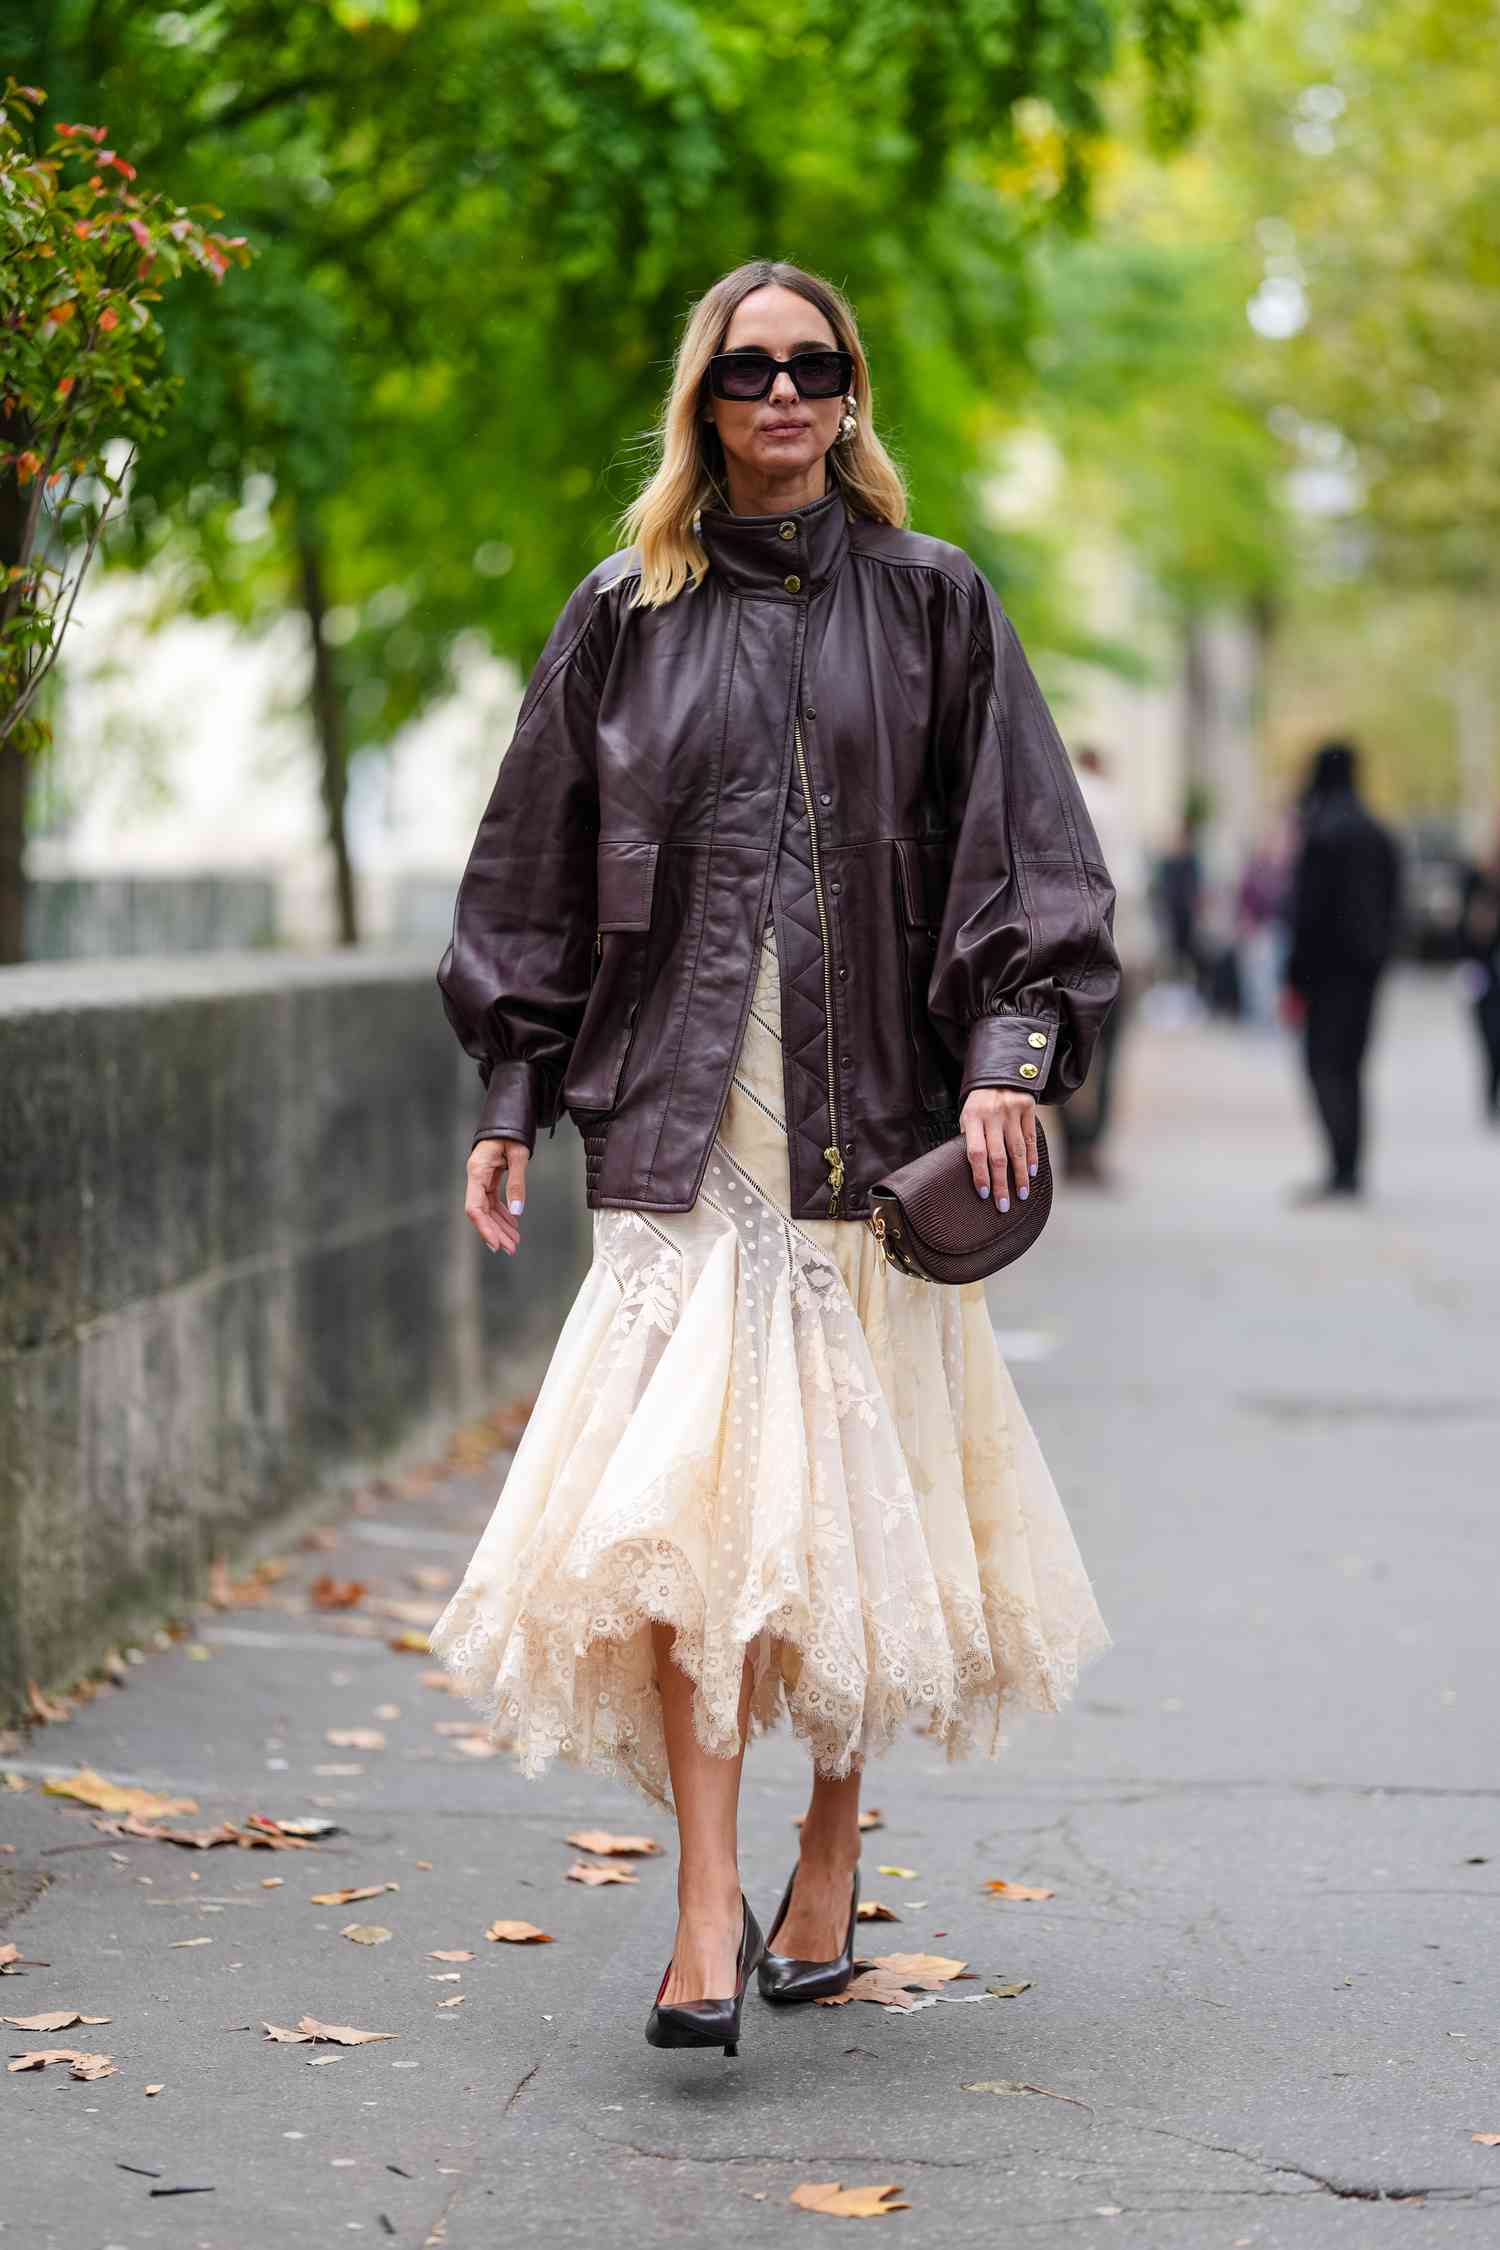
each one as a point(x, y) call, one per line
point(235, 1266)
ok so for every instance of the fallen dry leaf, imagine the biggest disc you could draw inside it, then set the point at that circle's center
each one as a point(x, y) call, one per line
point(90, 1788)
point(15, 1781)
point(159, 2088)
point(334, 1593)
point(409, 1641)
point(517, 1933)
point(893, 1980)
point(930, 1970)
point(445, 1976)
point(52, 2019)
point(272, 1882)
point(436, 1678)
point(999, 1888)
point(347, 1898)
point(181, 1941)
point(477, 1746)
point(387, 1710)
point(195, 1839)
point(50, 1710)
point(354, 1738)
point(457, 1726)
point(308, 2027)
point(593, 1871)
point(81, 2065)
point(1485, 2140)
point(366, 1933)
point(456, 1954)
point(243, 1593)
point(600, 1840)
point(906, 1874)
point(847, 2203)
point(1009, 1991)
point(1018, 2086)
point(10, 1959)
point(871, 1910)
point(338, 1769)
point(455, 2001)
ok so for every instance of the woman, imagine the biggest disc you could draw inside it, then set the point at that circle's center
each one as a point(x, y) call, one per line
point(785, 878)
point(1479, 942)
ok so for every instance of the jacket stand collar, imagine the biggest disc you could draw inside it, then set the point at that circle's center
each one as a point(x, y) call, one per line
point(784, 557)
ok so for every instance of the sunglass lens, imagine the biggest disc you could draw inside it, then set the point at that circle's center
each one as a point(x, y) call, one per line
point(819, 374)
point(743, 374)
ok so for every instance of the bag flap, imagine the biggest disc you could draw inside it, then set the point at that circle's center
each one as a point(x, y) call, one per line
point(627, 878)
point(944, 1214)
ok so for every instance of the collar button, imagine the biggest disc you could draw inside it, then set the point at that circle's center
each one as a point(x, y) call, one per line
point(788, 531)
point(793, 584)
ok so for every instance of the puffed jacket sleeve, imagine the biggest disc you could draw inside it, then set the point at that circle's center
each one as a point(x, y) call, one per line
point(515, 976)
point(1025, 969)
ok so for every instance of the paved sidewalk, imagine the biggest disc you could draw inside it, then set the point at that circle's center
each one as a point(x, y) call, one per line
point(1265, 1986)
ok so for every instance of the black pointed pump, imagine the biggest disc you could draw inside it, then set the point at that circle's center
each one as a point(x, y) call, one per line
point(707, 2023)
point(782, 1977)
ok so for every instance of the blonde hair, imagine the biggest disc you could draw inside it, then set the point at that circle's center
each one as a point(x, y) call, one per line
point(659, 521)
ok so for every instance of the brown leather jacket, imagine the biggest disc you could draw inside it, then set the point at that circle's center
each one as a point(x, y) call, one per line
point(839, 727)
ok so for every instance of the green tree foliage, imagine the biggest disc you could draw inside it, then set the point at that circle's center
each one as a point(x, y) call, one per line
point(480, 223)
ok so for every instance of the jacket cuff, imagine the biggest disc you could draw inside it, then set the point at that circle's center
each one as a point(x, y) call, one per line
point(509, 1111)
point(1008, 1050)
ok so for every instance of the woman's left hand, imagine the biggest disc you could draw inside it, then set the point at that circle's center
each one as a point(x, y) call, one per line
point(999, 1125)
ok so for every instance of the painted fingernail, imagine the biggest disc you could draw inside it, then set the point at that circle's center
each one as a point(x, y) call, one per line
point(985, 1189)
point(1031, 1168)
point(518, 1208)
point(1005, 1202)
point(1023, 1192)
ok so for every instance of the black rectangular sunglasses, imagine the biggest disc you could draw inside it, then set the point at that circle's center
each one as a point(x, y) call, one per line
point(750, 373)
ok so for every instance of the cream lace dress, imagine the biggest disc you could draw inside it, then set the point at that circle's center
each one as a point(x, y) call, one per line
point(755, 1428)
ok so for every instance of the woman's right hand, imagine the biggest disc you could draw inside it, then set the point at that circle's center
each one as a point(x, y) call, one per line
point(496, 1217)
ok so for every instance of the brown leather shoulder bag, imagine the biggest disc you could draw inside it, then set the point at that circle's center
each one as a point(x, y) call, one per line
point(930, 1222)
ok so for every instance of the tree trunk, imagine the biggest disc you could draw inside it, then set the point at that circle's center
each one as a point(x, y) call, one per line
point(327, 708)
point(15, 765)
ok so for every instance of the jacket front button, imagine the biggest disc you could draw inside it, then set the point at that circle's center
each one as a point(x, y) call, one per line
point(825, 796)
point(835, 888)
point(788, 531)
point(1029, 1070)
point(793, 584)
point(1036, 1039)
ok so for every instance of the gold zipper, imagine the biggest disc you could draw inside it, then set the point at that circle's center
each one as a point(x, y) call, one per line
point(833, 1156)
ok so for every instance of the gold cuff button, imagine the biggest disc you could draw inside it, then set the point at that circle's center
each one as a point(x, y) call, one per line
point(788, 531)
point(1030, 1070)
point(793, 584)
point(1036, 1038)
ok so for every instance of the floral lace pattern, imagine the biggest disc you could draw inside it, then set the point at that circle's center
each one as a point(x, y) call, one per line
point(753, 1428)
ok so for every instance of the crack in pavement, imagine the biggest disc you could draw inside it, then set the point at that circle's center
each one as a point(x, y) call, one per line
point(791, 2156)
point(1343, 2189)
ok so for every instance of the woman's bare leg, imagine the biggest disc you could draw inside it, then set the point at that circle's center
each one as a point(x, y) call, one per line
point(817, 1919)
point(706, 1792)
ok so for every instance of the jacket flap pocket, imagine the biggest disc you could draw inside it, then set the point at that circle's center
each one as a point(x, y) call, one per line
point(627, 878)
point(923, 863)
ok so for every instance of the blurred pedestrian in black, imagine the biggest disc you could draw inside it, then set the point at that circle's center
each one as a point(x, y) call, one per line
point(1479, 934)
point(1179, 894)
point(1346, 887)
